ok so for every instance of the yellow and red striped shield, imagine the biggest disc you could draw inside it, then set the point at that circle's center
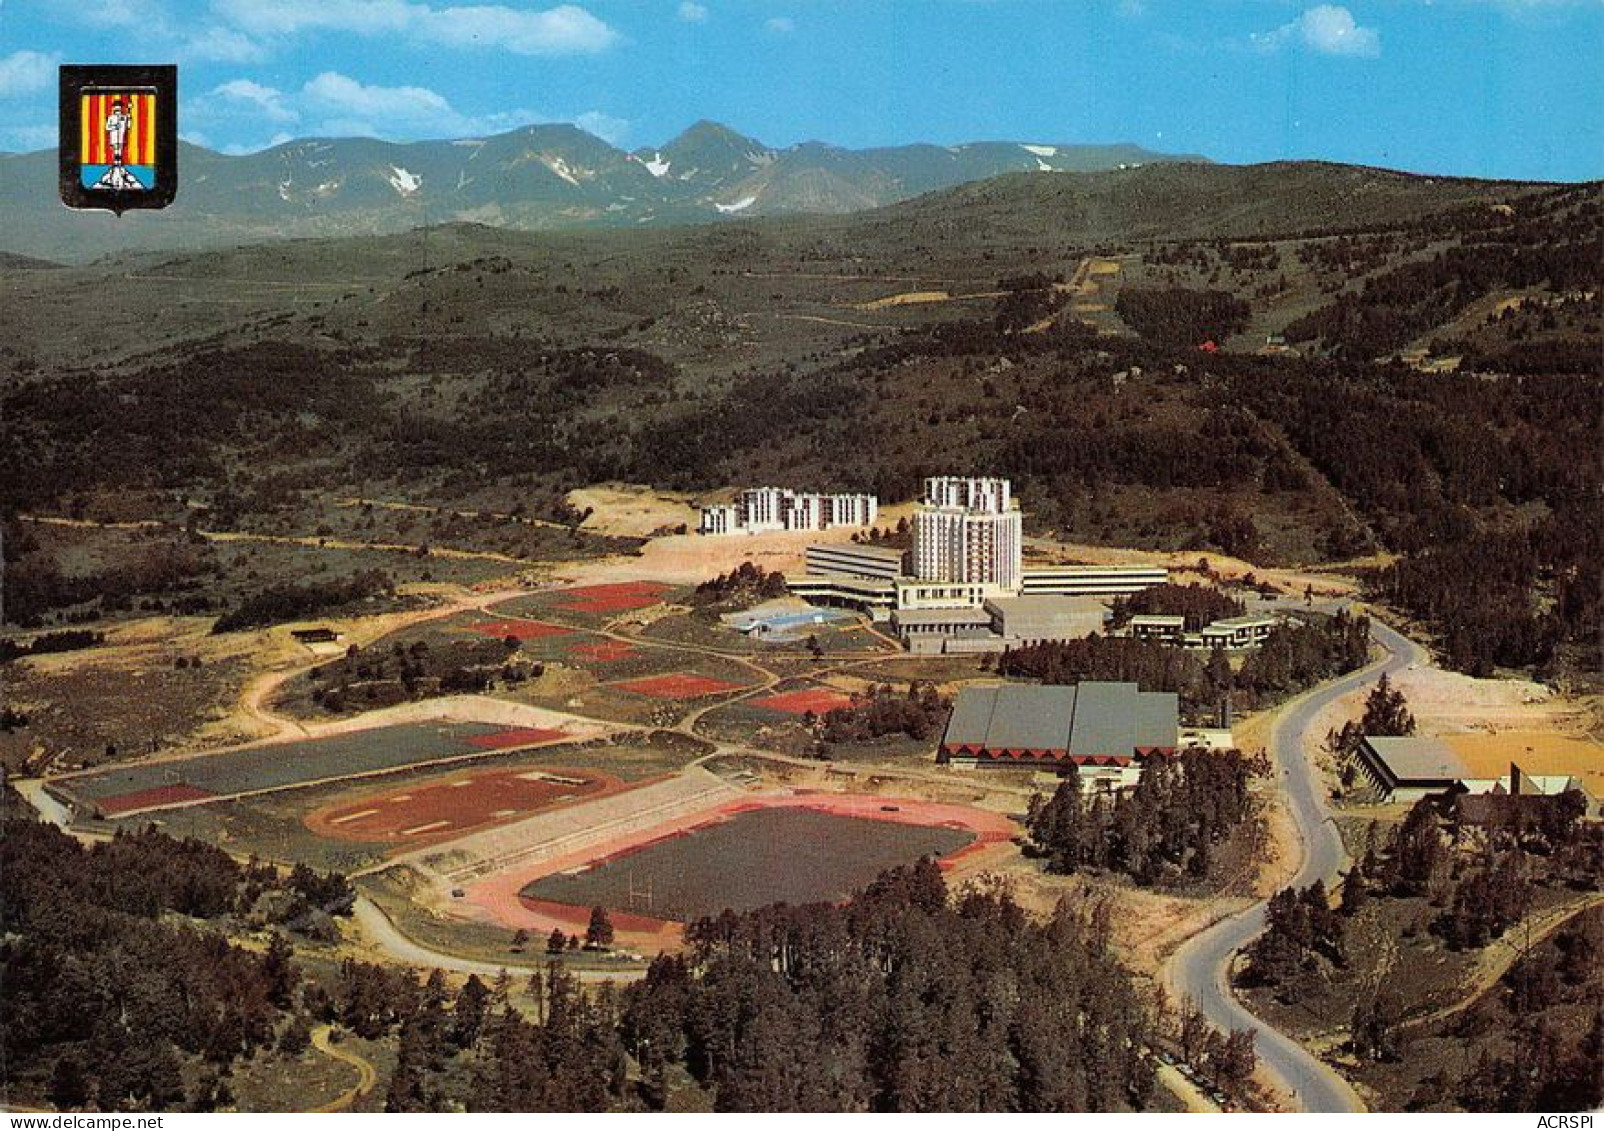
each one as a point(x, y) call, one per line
point(139, 140)
point(119, 135)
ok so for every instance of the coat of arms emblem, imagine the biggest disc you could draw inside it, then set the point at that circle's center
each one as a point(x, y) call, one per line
point(119, 136)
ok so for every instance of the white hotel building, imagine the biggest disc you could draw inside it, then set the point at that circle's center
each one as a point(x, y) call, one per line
point(761, 509)
point(963, 586)
point(969, 531)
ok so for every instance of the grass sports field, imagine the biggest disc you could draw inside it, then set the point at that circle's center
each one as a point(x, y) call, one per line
point(148, 785)
point(792, 844)
point(749, 860)
point(284, 825)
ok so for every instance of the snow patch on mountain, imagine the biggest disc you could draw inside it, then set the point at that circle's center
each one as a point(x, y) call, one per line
point(739, 206)
point(561, 168)
point(404, 182)
point(1041, 150)
point(657, 167)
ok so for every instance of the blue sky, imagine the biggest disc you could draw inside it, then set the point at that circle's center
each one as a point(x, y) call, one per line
point(1505, 88)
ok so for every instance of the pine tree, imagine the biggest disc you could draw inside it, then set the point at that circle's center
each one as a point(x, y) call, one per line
point(69, 1084)
point(469, 1012)
point(297, 1036)
point(599, 934)
point(280, 972)
point(1386, 711)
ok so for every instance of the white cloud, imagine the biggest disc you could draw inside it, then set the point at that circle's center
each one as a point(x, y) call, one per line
point(1328, 29)
point(120, 13)
point(782, 25)
point(262, 101)
point(1534, 5)
point(160, 33)
point(610, 129)
point(238, 150)
point(398, 107)
point(337, 105)
point(692, 12)
point(23, 72)
point(1332, 30)
point(219, 45)
point(566, 29)
point(288, 17)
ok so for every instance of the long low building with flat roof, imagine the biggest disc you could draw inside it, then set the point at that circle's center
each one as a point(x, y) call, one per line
point(849, 559)
point(1105, 729)
point(1090, 581)
point(1021, 621)
point(1407, 769)
point(1157, 626)
point(873, 596)
point(1236, 633)
point(929, 632)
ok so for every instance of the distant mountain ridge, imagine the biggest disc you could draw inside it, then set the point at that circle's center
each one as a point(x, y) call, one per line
point(537, 177)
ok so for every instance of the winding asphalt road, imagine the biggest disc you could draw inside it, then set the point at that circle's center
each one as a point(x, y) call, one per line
point(1199, 969)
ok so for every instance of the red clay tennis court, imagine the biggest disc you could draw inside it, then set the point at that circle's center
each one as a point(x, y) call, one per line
point(518, 629)
point(677, 685)
point(457, 805)
point(819, 700)
point(620, 597)
point(519, 736)
point(144, 798)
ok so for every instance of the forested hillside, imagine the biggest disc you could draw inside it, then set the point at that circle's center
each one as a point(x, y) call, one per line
point(468, 367)
point(122, 989)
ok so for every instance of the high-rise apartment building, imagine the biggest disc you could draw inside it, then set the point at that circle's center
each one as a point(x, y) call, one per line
point(968, 530)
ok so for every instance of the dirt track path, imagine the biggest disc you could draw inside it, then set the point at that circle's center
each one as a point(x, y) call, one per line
point(819, 318)
point(1499, 955)
point(422, 508)
point(367, 1075)
point(306, 540)
point(253, 702)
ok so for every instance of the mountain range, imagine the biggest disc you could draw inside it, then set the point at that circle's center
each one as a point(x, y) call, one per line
point(535, 178)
